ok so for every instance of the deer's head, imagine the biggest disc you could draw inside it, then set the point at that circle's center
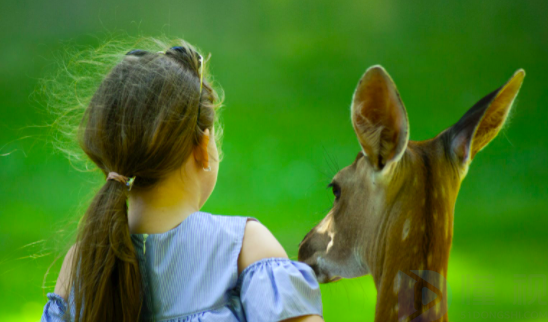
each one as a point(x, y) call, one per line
point(393, 207)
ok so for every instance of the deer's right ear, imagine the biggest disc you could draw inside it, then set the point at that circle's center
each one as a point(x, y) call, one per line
point(484, 120)
point(379, 118)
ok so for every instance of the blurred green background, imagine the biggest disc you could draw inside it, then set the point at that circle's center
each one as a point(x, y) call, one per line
point(289, 69)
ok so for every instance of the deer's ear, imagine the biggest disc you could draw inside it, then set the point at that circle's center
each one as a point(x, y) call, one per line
point(379, 118)
point(484, 120)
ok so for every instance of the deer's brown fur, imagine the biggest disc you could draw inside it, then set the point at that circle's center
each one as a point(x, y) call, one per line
point(394, 207)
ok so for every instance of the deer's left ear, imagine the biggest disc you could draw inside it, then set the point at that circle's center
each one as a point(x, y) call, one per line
point(379, 118)
point(484, 120)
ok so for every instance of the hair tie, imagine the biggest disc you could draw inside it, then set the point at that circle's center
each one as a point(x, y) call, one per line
point(122, 179)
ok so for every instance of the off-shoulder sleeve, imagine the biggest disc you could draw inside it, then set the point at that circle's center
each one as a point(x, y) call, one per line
point(275, 289)
point(55, 309)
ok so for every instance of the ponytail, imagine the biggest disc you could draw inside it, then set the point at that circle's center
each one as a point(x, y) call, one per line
point(107, 277)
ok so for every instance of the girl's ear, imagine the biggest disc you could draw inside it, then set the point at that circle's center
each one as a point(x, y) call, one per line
point(200, 152)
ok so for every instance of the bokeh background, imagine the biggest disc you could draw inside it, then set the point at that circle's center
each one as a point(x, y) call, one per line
point(288, 69)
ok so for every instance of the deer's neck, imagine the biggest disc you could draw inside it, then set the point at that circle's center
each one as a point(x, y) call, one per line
point(412, 287)
point(411, 256)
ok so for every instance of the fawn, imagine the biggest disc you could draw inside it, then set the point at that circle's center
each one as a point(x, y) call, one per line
point(393, 211)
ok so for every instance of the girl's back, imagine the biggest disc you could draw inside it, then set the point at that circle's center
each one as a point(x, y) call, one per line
point(190, 273)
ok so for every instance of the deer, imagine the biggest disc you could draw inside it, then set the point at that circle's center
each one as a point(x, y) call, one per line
point(393, 209)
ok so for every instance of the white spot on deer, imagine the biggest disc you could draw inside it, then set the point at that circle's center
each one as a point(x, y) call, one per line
point(397, 283)
point(324, 224)
point(330, 244)
point(406, 228)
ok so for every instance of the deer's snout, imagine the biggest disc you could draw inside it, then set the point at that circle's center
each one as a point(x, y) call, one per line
point(312, 244)
point(306, 252)
point(305, 249)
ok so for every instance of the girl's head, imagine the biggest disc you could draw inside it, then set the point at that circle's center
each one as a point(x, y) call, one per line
point(152, 116)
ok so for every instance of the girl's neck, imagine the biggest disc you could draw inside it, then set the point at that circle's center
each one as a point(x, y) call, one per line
point(164, 206)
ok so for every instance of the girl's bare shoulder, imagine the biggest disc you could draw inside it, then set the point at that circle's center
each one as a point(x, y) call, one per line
point(258, 243)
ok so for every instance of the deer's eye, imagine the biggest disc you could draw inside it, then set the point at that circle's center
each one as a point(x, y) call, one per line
point(336, 190)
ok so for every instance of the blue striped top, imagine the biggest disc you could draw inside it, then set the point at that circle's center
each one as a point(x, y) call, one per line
point(190, 274)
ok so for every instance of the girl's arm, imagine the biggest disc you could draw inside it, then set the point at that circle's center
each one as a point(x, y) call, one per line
point(61, 287)
point(259, 243)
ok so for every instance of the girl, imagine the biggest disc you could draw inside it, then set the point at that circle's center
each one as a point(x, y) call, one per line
point(144, 250)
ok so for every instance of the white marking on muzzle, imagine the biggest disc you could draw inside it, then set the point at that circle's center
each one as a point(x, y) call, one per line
point(331, 241)
point(325, 224)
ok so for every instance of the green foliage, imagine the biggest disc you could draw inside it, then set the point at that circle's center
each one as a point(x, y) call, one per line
point(288, 70)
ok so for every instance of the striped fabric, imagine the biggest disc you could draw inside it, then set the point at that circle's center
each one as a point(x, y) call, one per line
point(190, 274)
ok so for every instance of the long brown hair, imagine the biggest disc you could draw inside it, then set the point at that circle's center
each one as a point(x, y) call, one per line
point(144, 120)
